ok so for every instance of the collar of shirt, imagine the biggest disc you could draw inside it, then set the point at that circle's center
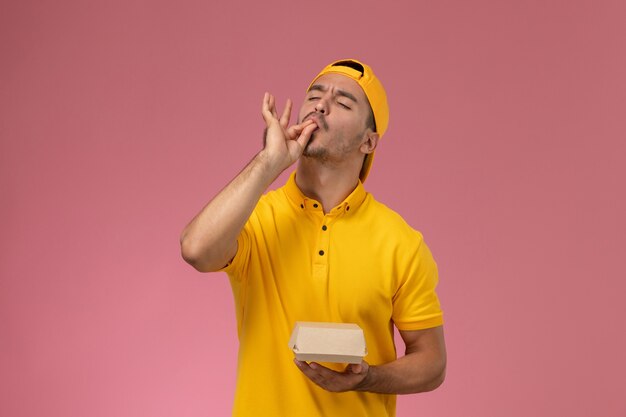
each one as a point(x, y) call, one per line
point(347, 206)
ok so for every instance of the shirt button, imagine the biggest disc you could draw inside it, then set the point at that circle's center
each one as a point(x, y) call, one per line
point(301, 205)
point(321, 253)
point(324, 228)
point(315, 205)
point(347, 208)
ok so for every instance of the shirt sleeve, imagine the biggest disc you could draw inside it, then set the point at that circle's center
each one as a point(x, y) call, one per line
point(416, 304)
point(238, 266)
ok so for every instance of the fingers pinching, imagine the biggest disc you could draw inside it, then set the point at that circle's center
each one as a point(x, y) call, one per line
point(305, 133)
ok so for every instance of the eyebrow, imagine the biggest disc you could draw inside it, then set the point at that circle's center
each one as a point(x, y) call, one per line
point(319, 87)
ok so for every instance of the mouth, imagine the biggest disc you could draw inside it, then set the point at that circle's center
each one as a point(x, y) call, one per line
point(318, 120)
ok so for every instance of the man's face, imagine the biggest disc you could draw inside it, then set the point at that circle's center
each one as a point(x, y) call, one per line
point(339, 107)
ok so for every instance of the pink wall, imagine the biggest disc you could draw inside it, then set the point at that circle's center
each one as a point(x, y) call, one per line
point(120, 119)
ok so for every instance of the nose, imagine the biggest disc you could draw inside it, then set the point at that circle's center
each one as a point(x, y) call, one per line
point(321, 106)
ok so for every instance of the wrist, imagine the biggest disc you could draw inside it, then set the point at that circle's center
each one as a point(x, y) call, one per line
point(367, 382)
point(269, 165)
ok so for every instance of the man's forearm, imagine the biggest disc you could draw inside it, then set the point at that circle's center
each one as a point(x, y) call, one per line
point(412, 373)
point(422, 368)
point(210, 240)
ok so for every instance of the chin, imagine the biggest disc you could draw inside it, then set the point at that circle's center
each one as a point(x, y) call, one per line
point(315, 152)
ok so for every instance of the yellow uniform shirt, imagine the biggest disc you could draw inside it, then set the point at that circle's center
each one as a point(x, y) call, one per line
point(361, 263)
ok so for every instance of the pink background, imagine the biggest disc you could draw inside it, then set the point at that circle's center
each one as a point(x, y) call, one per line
point(120, 119)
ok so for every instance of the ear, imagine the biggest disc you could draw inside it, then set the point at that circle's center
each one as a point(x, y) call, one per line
point(370, 141)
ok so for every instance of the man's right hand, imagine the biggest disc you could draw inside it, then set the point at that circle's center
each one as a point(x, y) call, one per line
point(210, 240)
point(284, 144)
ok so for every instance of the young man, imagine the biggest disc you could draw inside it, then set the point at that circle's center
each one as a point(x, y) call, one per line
point(322, 249)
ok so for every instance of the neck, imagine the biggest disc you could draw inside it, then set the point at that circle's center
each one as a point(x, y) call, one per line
point(329, 185)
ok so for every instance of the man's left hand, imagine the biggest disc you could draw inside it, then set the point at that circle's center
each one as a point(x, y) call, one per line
point(350, 379)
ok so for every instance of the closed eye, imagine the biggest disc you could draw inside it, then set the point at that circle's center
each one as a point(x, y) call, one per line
point(344, 106)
